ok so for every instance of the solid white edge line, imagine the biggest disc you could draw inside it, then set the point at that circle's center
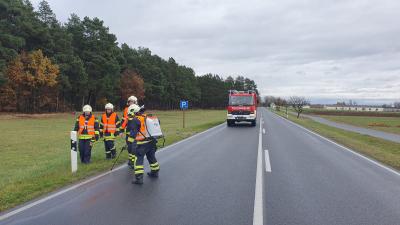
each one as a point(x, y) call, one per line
point(60, 192)
point(267, 162)
point(258, 217)
point(343, 147)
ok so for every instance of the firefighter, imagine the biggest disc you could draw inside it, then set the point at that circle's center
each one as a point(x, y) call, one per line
point(145, 146)
point(109, 129)
point(131, 100)
point(88, 132)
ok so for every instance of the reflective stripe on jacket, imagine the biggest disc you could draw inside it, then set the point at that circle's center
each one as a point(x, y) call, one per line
point(109, 123)
point(86, 125)
point(141, 135)
point(125, 119)
point(133, 128)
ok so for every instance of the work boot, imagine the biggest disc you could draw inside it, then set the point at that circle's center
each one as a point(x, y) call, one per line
point(138, 180)
point(153, 174)
point(108, 155)
point(113, 153)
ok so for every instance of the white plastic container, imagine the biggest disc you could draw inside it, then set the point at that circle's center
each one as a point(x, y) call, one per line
point(153, 127)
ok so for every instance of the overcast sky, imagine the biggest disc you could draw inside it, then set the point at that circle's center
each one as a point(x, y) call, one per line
point(322, 49)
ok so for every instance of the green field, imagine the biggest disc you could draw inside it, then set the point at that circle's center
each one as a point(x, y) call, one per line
point(381, 150)
point(35, 151)
point(387, 124)
point(317, 111)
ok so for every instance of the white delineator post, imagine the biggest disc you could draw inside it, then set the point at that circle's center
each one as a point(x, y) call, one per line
point(74, 153)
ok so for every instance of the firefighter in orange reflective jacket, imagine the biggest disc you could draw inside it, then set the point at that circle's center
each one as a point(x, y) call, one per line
point(131, 101)
point(145, 146)
point(88, 132)
point(109, 129)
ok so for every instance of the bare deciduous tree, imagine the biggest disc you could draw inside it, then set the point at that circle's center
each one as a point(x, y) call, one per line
point(268, 100)
point(279, 102)
point(298, 103)
point(286, 105)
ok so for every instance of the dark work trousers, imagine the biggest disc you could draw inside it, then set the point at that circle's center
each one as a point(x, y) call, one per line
point(131, 148)
point(110, 149)
point(149, 150)
point(85, 150)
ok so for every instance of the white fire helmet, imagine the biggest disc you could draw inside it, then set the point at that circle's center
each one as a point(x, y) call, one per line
point(132, 99)
point(87, 108)
point(132, 109)
point(109, 106)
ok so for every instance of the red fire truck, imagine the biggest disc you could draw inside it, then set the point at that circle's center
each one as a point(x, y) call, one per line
point(242, 107)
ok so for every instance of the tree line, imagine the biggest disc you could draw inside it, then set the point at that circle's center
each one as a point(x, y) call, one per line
point(49, 66)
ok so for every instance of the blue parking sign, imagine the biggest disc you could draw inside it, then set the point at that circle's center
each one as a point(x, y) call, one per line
point(184, 104)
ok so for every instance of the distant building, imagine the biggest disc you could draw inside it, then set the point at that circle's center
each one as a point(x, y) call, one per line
point(391, 109)
point(317, 106)
point(355, 108)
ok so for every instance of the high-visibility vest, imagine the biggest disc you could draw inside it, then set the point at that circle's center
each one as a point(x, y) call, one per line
point(87, 125)
point(140, 136)
point(109, 123)
point(125, 123)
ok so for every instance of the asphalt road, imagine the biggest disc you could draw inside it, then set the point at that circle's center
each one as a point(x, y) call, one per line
point(361, 130)
point(215, 177)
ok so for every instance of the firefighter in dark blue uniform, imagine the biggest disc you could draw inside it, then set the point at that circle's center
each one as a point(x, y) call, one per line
point(145, 146)
point(109, 130)
point(87, 127)
point(132, 100)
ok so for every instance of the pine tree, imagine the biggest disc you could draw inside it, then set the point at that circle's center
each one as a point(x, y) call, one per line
point(46, 14)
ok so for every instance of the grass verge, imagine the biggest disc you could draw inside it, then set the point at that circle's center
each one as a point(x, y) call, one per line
point(35, 151)
point(381, 150)
point(386, 124)
point(350, 113)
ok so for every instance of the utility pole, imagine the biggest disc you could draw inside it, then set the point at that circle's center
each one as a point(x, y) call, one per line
point(184, 105)
point(183, 118)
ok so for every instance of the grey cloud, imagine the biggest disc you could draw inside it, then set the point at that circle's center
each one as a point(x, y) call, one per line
point(317, 48)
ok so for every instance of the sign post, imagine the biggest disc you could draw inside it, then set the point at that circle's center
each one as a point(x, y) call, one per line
point(184, 106)
point(74, 153)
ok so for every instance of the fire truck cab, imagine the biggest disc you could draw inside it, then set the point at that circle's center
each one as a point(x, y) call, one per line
point(242, 107)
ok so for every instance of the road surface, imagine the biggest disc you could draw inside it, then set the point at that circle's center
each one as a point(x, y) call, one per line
point(361, 130)
point(228, 175)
